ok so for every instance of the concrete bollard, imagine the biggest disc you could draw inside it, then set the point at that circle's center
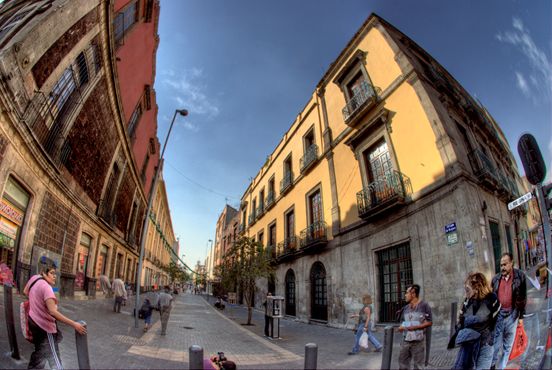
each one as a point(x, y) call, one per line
point(453, 314)
point(81, 340)
point(311, 356)
point(10, 324)
point(428, 331)
point(195, 357)
point(387, 348)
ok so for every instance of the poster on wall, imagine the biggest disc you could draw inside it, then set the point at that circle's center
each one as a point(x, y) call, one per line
point(41, 256)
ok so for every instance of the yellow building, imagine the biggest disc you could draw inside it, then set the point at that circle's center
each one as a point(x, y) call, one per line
point(161, 245)
point(392, 174)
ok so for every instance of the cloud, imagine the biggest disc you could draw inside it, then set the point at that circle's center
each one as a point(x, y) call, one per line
point(522, 84)
point(189, 91)
point(538, 85)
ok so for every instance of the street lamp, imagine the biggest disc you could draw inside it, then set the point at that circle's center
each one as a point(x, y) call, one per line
point(184, 113)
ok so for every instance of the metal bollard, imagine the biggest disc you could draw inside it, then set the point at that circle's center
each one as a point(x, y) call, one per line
point(453, 313)
point(196, 357)
point(81, 340)
point(311, 356)
point(387, 347)
point(10, 325)
point(428, 344)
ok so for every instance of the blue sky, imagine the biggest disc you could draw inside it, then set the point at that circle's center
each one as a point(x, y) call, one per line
point(245, 68)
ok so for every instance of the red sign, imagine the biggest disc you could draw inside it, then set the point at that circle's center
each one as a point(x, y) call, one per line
point(11, 212)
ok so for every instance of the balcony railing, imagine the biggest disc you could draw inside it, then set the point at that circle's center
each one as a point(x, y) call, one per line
point(271, 251)
point(241, 228)
point(269, 202)
point(105, 212)
point(365, 96)
point(286, 183)
point(310, 157)
point(390, 189)
point(252, 219)
point(260, 210)
point(484, 169)
point(288, 246)
point(314, 235)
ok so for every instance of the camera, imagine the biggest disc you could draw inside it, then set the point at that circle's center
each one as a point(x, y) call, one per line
point(221, 356)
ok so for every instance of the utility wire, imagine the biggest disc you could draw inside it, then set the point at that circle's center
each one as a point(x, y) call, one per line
point(200, 185)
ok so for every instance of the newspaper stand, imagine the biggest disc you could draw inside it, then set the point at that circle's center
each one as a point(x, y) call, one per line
point(274, 306)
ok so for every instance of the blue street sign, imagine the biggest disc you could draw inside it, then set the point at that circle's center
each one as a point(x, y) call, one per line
point(450, 227)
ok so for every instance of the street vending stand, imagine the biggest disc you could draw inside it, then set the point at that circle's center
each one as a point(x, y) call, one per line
point(275, 312)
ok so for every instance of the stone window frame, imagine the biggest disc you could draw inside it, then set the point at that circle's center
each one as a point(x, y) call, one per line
point(290, 209)
point(310, 132)
point(355, 64)
point(260, 233)
point(268, 228)
point(311, 192)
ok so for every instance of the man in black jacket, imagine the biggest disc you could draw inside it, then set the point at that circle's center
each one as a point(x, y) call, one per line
point(509, 286)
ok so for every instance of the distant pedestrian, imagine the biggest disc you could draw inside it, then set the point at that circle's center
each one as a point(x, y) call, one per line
point(509, 286)
point(364, 325)
point(120, 294)
point(165, 305)
point(43, 317)
point(269, 321)
point(475, 328)
point(147, 311)
point(415, 317)
point(105, 285)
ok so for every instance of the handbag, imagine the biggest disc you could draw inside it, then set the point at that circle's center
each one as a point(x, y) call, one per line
point(363, 341)
point(520, 342)
point(24, 309)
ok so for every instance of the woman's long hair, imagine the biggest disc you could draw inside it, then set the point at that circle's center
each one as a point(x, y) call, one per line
point(479, 284)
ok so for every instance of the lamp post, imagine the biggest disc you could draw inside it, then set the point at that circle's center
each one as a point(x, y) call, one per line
point(182, 112)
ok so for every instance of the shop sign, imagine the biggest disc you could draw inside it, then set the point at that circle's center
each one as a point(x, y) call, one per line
point(8, 229)
point(10, 212)
point(452, 238)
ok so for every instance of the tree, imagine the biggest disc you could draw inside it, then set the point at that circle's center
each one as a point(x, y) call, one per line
point(244, 263)
point(176, 272)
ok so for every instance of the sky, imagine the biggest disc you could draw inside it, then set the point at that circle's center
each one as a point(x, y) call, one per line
point(244, 69)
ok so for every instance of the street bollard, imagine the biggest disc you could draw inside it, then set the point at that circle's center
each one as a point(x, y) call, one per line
point(81, 340)
point(428, 344)
point(453, 313)
point(311, 356)
point(10, 325)
point(196, 357)
point(387, 348)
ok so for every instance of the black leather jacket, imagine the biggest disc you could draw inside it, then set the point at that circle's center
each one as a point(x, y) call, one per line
point(519, 291)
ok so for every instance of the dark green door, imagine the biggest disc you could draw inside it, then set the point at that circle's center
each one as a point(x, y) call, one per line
point(497, 247)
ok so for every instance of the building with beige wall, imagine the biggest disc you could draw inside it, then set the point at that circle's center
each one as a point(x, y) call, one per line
point(161, 244)
point(391, 174)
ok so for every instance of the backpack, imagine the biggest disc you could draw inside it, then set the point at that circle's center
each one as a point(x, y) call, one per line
point(24, 309)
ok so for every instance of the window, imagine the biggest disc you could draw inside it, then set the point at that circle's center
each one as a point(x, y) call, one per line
point(261, 201)
point(289, 230)
point(144, 169)
point(82, 261)
point(149, 11)
point(82, 69)
point(260, 237)
point(147, 97)
point(124, 20)
point(287, 180)
point(133, 122)
point(310, 151)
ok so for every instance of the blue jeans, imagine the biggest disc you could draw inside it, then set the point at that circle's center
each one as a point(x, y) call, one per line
point(485, 357)
point(371, 338)
point(505, 333)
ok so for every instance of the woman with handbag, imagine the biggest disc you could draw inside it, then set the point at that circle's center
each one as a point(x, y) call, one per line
point(43, 317)
point(364, 325)
point(475, 327)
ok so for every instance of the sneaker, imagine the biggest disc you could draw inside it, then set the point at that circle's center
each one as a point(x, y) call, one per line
point(352, 353)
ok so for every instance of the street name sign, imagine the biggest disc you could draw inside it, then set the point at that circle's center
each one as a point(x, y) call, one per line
point(519, 201)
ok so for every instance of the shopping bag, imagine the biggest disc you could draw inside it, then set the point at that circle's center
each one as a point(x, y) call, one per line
point(363, 342)
point(520, 342)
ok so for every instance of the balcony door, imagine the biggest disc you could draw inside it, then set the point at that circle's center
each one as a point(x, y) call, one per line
point(319, 292)
point(379, 169)
point(290, 293)
point(315, 215)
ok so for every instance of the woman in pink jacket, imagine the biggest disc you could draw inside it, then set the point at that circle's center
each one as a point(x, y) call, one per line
point(43, 317)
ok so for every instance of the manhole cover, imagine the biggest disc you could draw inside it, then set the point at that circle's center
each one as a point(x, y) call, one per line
point(187, 327)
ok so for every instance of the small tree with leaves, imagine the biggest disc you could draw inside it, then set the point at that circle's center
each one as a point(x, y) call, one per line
point(244, 263)
point(176, 273)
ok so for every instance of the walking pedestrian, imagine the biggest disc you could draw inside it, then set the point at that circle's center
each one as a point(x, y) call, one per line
point(415, 317)
point(165, 305)
point(105, 285)
point(147, 311)
point(120, 294)
point(509, 286)
point(365, 325)
point(268, 319)
point(475, 327)
point(44, 315)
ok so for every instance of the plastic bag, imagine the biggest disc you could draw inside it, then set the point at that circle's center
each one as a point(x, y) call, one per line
point(520, 342)
point(363, 341)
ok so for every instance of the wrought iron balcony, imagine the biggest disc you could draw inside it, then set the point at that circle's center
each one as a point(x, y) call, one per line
point(484, 169)
point(314, 236)
point(271, 251)
point(252, 219)
point(105, 212)
point(269, 202)
point(241, 228)
point(310, 157)
point(286, 183)
point(287, 247)
point(387, 191)
point(364, 98)
point(260, 210)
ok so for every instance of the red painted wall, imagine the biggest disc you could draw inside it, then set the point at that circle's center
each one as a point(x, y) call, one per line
point(136, 69)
